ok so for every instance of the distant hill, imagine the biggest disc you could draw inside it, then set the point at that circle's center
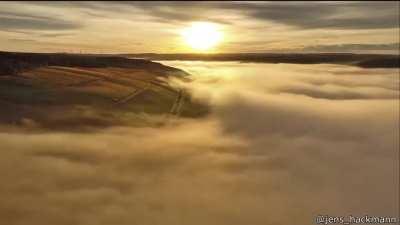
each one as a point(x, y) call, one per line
point(63, 91)
point(13, 63)
point(361, 60)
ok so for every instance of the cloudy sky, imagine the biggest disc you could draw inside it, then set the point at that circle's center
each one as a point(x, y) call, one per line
point(136, 27)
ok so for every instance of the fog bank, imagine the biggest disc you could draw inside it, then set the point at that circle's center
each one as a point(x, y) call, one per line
point(283, 144)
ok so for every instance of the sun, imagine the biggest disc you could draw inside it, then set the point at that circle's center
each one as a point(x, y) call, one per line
point(202, 36)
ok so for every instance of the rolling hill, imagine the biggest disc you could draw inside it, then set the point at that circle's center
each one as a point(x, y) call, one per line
point(64, 91)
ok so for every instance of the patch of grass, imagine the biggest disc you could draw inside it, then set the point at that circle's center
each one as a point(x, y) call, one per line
point(81, 98)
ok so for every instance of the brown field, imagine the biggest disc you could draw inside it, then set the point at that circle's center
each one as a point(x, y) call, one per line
point(59, 97)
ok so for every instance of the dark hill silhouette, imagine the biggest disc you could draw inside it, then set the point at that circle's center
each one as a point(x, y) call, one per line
point(361, 60)
point(12, 63)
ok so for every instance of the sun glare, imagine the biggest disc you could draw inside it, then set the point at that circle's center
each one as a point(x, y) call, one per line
point(202, 36)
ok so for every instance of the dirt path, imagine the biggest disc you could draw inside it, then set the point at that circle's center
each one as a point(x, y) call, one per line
point(83, 83)
point(177, 106)
point(101, 76)
point(127, 98)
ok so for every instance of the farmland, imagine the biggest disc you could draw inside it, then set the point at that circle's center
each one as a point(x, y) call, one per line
point(81, 96)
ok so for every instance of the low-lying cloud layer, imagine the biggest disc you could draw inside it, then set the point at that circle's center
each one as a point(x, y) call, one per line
point(283, 144)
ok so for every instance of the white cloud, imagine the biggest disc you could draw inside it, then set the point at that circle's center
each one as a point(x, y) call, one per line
point(264, 156)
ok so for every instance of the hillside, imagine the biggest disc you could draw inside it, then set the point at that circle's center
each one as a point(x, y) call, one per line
point(13, 63)
point(60, 91)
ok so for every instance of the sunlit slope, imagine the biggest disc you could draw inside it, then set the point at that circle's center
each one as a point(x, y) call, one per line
point(76, 97)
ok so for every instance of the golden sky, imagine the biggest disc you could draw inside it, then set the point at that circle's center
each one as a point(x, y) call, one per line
point(139, 27)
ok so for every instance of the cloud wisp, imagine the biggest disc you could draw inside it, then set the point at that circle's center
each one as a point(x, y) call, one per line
point(250, 26)
point(28, 22)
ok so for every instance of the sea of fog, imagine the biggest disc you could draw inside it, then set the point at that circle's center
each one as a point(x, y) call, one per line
point(283, 144)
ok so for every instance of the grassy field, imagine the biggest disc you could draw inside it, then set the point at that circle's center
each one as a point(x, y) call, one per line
point(60, 97)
